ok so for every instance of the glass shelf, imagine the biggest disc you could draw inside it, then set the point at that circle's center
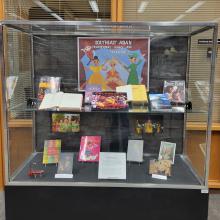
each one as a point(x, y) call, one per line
point(88, 109)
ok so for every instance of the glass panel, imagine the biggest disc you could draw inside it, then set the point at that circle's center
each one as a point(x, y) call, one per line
point(199, 94)
point(18, 78)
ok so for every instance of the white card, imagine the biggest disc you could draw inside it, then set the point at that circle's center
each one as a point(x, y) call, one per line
point(135, 150)
point(63, 176)
point(112, 165)
point(167, 151)
point(160, 177)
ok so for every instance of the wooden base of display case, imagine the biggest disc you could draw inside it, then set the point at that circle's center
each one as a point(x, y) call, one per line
point(41, 202)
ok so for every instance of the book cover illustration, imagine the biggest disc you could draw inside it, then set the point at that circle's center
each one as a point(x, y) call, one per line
point(175, 91)
point(89, 90)
point(160, 167)
point(52, 150)
point(159, 102)
point(62, 122)
point(109, 100)
point(65, 165)
point(167, 151)
point(89, 149)
point(112, 62)
point(47, 85)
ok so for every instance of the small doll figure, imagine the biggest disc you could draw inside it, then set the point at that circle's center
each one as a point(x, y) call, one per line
point(161, 129)
point(158, 128)
point(154, 125)
point(138, 128)
point(148, 127)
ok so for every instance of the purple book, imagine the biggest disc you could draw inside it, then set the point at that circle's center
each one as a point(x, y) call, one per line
point(89, 90)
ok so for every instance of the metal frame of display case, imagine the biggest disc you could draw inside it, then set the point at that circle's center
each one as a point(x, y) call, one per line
point(130, 29)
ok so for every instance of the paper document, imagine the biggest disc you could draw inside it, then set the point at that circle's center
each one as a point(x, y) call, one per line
point(112, 166)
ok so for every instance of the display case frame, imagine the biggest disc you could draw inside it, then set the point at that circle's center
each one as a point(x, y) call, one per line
point(149, 29)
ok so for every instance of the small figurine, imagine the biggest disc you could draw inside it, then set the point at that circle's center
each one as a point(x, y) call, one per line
point(34, 172)
point(161, 129)
point(154, 125)
point(138, 128)
point(148, 127)
point(158, 128)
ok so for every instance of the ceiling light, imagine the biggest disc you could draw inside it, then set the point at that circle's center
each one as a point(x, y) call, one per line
point(43, 6)
point(179, 17)
point(143, 6)
point(196, 6)
point(94, 6)
point(57, 16)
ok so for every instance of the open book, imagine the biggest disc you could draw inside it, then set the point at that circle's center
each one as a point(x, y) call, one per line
point(62, 101)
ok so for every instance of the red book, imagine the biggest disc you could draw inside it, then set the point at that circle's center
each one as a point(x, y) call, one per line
point(89, 149)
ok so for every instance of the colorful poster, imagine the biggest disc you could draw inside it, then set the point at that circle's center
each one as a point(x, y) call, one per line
point(89, 148)
point(112, 62)
point(62, 122)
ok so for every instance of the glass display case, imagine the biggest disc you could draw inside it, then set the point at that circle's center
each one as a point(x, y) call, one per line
point(125, 135)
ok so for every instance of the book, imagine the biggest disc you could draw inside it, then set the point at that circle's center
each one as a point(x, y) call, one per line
point(135, 150)
point(89, 149)
point(175, 91)
point(62, 122)
point(112, 166)
point(109, 100)
point(167, 151)
point(135, 93)
point(62, 101)
point(47, 85)
point(159, 102)
point(90, 88)
point(65, 166)
point(52, 150)
point(160, 168)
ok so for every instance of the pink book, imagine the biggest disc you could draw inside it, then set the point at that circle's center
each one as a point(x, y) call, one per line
point(89, 149)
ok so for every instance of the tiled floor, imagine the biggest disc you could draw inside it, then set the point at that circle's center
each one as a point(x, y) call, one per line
point(2, 206)
point(214, 206)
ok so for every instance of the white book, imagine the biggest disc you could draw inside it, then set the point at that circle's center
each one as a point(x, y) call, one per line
point(71, 101)
point(135, 150)
point(112, 166)
point(62, 101)
point(49, 101)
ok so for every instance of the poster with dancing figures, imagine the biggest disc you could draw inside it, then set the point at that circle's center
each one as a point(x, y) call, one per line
point(112, 62)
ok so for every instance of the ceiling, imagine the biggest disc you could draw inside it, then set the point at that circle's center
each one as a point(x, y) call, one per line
point(171, 10)
point(152, 10)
